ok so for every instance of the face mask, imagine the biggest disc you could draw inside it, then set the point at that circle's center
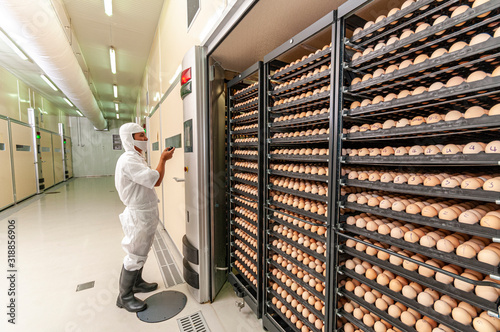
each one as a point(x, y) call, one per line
point(143, 145)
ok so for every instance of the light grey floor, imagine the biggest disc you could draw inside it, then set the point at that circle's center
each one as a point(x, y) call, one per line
point(73, 237)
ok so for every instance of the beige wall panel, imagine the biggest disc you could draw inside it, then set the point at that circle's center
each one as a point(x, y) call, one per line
point(153, 137)
point(173, 192)
point(58, 159)
point(173, 46)
point(69, 157)
point(24, 101)
point(46, 152)
point(24, 166)
point(7, 191)
point(153, 74)
point(9, 105)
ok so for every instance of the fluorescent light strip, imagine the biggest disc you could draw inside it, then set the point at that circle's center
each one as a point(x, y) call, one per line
point(177, 72)
point(49, 82)
point(13, 46)
point(112, 59)
point(116, 107)
point(115, 91)
point(79, 113)
point(108, 7)
point(69, 103)
point(118, 116)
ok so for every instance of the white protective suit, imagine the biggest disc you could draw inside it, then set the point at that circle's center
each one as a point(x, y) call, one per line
point(135, 182)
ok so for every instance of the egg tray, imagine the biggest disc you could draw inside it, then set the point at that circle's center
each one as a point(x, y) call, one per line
point(299, 140)
point(320, 198)
point(302, 66)
point(253, 92)
point(305, 321)
point(309, 101)
point(245, 119)
point(444, 127)
point(253, 223)
point(463, 69)
point(241, 192)
point(245, 107)
point(297, 245)
point(244, 181)
point(484, 159)
point(296, 262)
point(458, 294)
point(300, 282)
point(320, 238)
point(251, 131)
point(317, 79)
point(425, 311)
point(301, 214)
point(470, 17)
point(242, 239)
point(305, 121)
point(245, 157)
point(245, 169)
point(342, 313)
point(361, 38)
point(243, 144)
point(302, 88)
point(453, 225)
point(296, 175)
point(455, 59)
point(301, 158)
point(244, 281)
point(437, 191)
point(452, 258)
point(278, 318)
point(235, 247)
point(464, 91)
point(380, 313)
point(234, 201)
point(310, 86)
point(245, 207)
point(299, 211)
point(299, 299)
point(236, 259)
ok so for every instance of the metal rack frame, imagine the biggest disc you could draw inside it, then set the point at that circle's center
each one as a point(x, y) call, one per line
point(372, 113)
point(244, 288)
point(273, 319)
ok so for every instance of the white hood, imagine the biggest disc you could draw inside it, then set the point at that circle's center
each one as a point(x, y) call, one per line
point(126, 132)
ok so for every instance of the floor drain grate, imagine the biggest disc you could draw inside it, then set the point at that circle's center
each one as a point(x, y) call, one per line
point(193, 323)
point(84, 286)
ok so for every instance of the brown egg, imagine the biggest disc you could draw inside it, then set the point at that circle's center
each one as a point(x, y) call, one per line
point(408, 319)
point(457, 47)
point(482, 325)
point(442, 307)
point(394, 311)
point(439, 52)
point(493, 147)
point(425, 299)
point(461, 315)
point(488, 256)
point(492, 320)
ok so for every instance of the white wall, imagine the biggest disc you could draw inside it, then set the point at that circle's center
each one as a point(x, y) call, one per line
point(93, 153)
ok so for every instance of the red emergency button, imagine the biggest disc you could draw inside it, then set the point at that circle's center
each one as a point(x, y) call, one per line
point(185, 169)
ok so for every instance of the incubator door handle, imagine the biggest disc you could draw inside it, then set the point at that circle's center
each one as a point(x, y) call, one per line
point(178, 179)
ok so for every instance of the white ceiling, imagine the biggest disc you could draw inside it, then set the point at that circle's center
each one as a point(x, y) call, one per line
point(130, 30)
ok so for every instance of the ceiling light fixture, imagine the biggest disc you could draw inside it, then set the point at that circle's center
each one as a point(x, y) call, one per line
point(116, 107)
point(112, 59)
point(177, 72)
point(115, 91)
point(117, 116)
point(108, 7)
point(12, 45)
point(69, 103)
point(49, 82)
point(79, 113)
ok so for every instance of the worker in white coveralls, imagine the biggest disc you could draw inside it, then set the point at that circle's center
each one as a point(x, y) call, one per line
point(135, 183)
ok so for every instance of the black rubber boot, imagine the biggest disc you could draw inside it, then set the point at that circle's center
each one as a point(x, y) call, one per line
point(126, 298)
point(142, 286)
